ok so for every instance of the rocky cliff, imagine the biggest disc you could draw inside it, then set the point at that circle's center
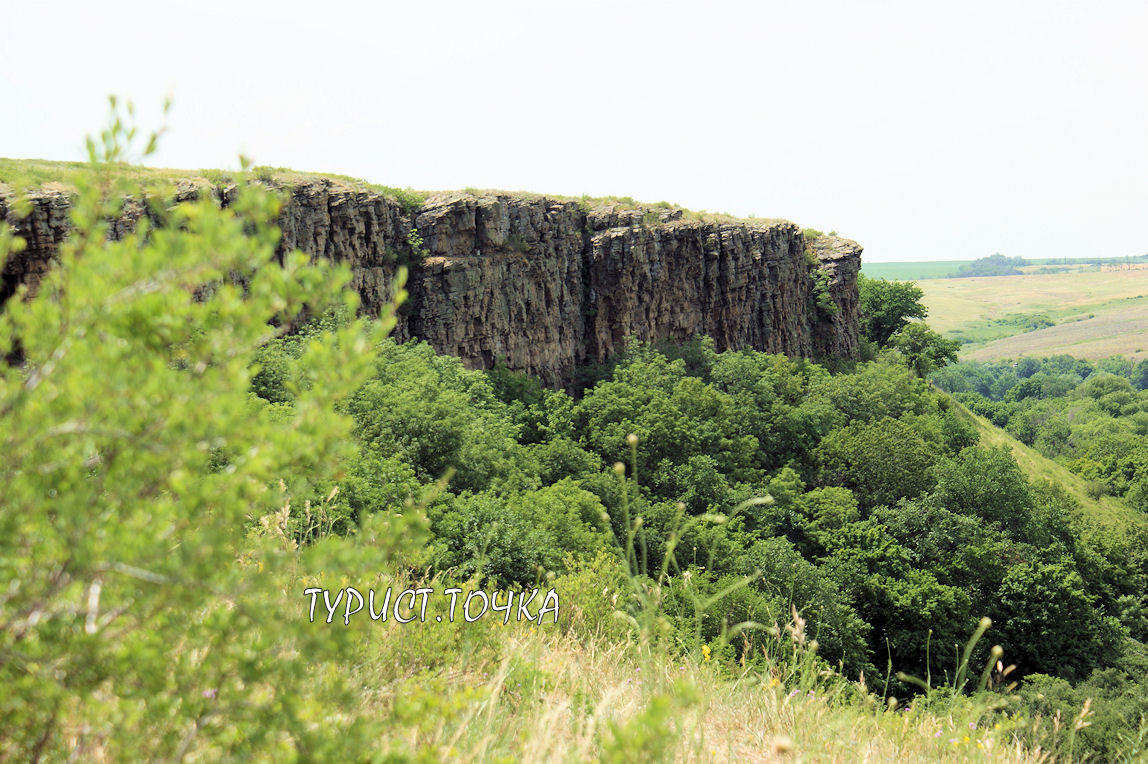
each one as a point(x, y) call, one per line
point(547, 284)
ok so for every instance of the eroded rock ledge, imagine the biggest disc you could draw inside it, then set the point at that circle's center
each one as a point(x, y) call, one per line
point(548, 284)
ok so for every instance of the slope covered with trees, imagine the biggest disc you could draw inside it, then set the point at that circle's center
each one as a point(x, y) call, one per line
point(753, 541)
point(1090, 416)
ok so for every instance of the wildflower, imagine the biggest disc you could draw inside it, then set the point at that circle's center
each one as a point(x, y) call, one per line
point(966, 739)
point(997, 726)
point(211, 694)
point(972, 725)
point(938, 734)
point(706, 652)
point(773, 682)
point(794, 693)
point(981, 746)
point(953, 740)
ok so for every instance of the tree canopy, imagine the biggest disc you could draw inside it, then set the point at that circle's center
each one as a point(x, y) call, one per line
point(887, 307)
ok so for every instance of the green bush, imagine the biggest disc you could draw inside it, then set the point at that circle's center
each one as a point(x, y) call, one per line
point(1049, 624)
point(522, 539)
point(135, 625)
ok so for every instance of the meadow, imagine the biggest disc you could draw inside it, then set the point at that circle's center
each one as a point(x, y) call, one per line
point(1094, 314)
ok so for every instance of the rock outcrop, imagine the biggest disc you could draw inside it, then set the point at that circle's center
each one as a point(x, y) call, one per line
point(838, 332)
point(548, 284)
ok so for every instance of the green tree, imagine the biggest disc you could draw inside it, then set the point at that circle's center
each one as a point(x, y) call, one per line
point(899, 600)
point(675, 416)
point(873, 391)
point(985, 483)
point(1049, 625)
point(887, 307)
point(925, 350)
point(959, 550)
point(437, 416)
point(1140, 375)
point(790, 580)
point(880, 461)
point(520, 539)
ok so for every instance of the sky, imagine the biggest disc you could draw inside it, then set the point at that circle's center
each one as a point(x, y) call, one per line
point(925, 131)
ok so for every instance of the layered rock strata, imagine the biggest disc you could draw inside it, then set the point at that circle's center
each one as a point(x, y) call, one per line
point(548, 284)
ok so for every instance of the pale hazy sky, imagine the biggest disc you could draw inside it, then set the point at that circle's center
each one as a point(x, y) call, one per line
point(923, 130)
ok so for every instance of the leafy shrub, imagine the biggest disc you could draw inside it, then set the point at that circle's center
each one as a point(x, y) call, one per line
point(521, 540)
point(136, 463)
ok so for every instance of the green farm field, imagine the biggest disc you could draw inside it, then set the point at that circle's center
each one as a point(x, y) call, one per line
point(914, 271)
point(1088, 314)
point(943, 269)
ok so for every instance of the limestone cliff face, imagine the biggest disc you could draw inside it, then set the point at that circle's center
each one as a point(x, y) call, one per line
point(547, 284)
point(43, 231)
point(838, 333)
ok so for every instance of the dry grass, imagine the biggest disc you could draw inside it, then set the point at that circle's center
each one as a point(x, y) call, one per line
point(21, 175)
point(554, 693)
point(28, 174)
point(611, 204)
point(954, 302)
point(1113, 330)
point(597, 689)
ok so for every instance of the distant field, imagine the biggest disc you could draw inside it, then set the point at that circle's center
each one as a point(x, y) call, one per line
point(911, 271)
point(1123, 332)
point(1097, 313)
point(919, 271)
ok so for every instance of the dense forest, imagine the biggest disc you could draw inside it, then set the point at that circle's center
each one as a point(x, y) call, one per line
point(194, 436)
point(883, 521)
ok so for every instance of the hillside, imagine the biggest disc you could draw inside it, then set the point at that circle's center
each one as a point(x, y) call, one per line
point(709, 552)
point(1104, 514)
point(1086, 314)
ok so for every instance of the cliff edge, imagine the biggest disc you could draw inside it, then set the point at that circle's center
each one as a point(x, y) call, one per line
point(543, 283)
